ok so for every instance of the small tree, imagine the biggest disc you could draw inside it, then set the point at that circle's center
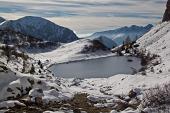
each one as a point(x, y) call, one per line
point(127, 40)
point(24, 66)
point(40, 64)
point(32, 70)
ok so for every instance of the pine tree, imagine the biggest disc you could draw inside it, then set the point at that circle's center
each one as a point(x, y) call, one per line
point(32, 71)
point(40, 64)
point(127, 40)
point(24, 66)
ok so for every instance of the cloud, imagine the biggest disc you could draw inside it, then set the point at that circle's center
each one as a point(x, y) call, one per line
point(78, 14)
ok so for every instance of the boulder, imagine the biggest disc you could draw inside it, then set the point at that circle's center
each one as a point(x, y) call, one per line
point(132, 94)
point(121, 105)
point(11, 104)
point(134, 103)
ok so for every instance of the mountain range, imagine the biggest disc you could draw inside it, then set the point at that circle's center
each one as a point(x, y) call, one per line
point(40, 28)
point(119, 35)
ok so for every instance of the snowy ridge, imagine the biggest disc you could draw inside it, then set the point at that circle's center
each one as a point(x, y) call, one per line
point(71, 52)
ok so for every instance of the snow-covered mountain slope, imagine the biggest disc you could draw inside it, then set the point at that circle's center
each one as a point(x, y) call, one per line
point(2, 19)
point(70, 52)
point(40, 28)
point(107, 92)
point(157, 41)
point(119, 35)
point(16, 79)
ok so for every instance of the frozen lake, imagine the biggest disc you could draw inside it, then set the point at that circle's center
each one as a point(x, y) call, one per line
point(97, 68)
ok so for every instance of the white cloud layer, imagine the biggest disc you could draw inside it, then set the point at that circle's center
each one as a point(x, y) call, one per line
point(87, 16)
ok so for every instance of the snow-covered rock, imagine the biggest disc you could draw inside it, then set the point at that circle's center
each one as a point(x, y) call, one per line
point(15, 88)
point(40, 28)
point(56, 96)
point(10, 104)
point(36, 93)
point(113, 111)
point(6, 75)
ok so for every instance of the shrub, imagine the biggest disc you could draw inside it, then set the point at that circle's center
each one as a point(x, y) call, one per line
point(157, 97)
point(32, 71)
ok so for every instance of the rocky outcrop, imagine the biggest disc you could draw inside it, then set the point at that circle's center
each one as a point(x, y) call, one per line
point(166, 16)
point(2, 19)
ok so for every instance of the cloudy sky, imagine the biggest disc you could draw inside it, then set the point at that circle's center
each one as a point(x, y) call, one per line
point(87, 16)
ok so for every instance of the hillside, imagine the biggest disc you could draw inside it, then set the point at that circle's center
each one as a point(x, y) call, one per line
point(157, 41)
point(71, 52)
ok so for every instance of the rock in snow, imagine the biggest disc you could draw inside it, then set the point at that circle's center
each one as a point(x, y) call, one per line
point(166, 16)
point(40, 28)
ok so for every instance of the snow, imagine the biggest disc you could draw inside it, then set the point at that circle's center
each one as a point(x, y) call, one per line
point(70, 52)
point(10, 104)
point(59, 112)
point(55, 89)
point(117, 85)
point(55, 96)
point(53, 112)
point(157, 41)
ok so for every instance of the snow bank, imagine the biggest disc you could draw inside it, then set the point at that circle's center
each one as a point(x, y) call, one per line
point(10, 104)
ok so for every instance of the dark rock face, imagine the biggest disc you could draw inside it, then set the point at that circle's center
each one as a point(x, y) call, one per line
point(2, 19)
point(166, 16)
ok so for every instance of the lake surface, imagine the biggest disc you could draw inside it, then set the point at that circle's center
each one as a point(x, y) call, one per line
point(97, 68)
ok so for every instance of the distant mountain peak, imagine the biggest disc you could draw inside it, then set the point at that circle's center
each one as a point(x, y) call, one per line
point(40, 28)
point(120, 34)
